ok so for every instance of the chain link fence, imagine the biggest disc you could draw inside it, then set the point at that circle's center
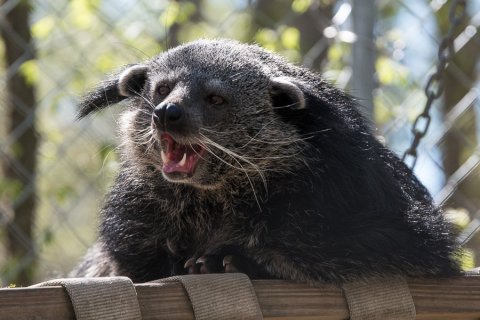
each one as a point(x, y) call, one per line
point(55, 170)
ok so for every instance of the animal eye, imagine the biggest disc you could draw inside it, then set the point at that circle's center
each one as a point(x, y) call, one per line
point(163, 90)
point(216, 100)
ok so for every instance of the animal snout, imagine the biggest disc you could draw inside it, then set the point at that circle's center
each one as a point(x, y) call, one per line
point(167, 115)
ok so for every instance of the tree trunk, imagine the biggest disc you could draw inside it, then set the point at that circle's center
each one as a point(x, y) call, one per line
point(172, 39)
point(20, 162)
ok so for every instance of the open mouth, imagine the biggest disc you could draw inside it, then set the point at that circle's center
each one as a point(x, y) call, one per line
point(179, 158)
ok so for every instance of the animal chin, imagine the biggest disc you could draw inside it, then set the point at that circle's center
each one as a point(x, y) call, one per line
point(179, 158)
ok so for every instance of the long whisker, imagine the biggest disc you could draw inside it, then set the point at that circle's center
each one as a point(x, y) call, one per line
point(227, 151)
point(221, 132)
point(241, 168)
point(236, 156)
point(209, 150)
point(301, 137)
point(287, 106)
point(258, 132)
point(149, 103)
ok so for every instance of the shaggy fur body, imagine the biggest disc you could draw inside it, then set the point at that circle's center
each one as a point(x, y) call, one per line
point(306, 193)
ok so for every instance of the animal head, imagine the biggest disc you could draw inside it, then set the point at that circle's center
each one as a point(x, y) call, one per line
point(209, 112)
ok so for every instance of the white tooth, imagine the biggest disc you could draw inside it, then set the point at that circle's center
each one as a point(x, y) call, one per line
point(184, 159)
point(164, 157)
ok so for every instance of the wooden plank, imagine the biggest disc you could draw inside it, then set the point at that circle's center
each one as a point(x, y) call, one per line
point(452, 299)
point(164, 301)
point(289, 300)
point(449, 299)
point(35, 303)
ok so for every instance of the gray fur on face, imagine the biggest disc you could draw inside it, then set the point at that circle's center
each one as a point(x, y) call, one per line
point(192, 79)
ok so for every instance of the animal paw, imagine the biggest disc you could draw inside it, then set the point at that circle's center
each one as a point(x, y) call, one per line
point(212, 264)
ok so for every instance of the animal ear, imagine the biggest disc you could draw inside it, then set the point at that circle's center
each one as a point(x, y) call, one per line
point(132, 80)
point(116, 88)
point(287, 93)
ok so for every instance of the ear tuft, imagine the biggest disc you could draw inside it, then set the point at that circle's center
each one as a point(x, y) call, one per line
point(132, 80)
point(105, 94)
point(116, 88)
point(286, 93)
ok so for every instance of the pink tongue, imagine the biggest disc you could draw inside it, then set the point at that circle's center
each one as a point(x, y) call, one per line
point(174, 153)
point(173, 156)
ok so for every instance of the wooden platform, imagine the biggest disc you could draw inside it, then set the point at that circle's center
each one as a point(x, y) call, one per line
point(452, 299)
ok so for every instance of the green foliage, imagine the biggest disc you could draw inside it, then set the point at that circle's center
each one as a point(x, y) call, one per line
point(84, 13)
point(267, 38)
point(177, 12)
point(106, 150)
point(467, 261)
point(63, 193)
point(284, 40)
point(10, 188)
point(290, 38)
point(29, 69)
point(337, 61)
point(390, 72)
point(461, 219)
point(458, 216)
point(43, 27)
point(301, 6)
point(195, 31)
point(48, 236)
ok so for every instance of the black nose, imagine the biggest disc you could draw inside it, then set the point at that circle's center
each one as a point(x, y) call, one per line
point(167, 113)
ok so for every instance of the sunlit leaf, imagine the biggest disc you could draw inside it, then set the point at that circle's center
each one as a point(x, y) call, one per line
point(64, 193)
point(29, 69)
point(169, 16)
point(187, 9)
point(300, 6)
point(458, 216)
point(335, 52)
point(83, 13)
point(105, 62)
point(43, 27)
point(267, 38)
point(390, 72)
point(290, 38)
point(467, 259)
point(10, 188)
point(383, 113)
point(48, 236)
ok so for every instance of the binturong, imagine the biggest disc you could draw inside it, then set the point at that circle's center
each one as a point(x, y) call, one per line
point(234, 160)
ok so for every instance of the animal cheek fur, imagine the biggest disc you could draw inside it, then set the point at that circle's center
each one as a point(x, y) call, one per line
point(133, 127)
point(127, 123)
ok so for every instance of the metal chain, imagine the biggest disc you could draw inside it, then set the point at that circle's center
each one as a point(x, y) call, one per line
point(435, 84)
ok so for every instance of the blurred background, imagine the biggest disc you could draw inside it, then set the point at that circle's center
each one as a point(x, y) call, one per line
point(54, 170)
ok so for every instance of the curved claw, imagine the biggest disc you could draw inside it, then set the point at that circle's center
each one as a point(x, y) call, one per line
point(191, 266)
point(227, 260)
point(201, 260)
point(189, 263)
point(228, 264)
point(203, 265)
